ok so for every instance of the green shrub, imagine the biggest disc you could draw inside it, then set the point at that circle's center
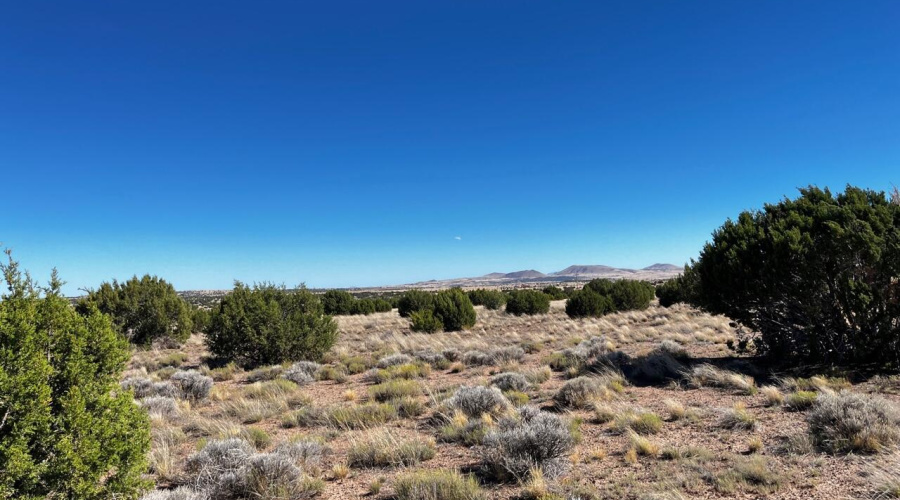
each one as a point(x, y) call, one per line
point(382, 305)
point(200, 318)
point(527, 302)
point(66, 429)
point(266, 325)
point(630, 295)
point(676, 290)
point(490, 299)
point(337, 302)
point(815, 276)
point(555, 292)
point(414, 300)
point(363, 307)
point(424, 321)
point(626, 295)
point(454, 310)
point(588, 303)
point(142, 309)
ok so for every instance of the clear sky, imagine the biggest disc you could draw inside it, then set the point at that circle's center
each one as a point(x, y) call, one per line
point(344, 143)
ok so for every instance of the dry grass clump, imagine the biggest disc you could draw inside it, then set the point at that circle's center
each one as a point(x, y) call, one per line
point(308, 416)
point(676, 410)
point(402, 371)
point(816, 383)
point(580, 392)
point(302, 372)
point(738, 418)
point(465, 431)
point(395, 389)
point(575, 359)
point(530, 439)
point(252, 410)
point(539, 375)
point(437, 485)
point(800, 400)
point(510, 381)
point(364, 416)
point(337, 373)
point(707, 375)
point(640, 422)
point(851, 422)
point(643, 446)
point(264, 373)
point(773, 395)
point(496, 356)
point(383, 449)
point(883, 475)
point(475, 401)
point(408, 406)
point(675, 349)
point(692, 453)
point(222, 373)
point(753, 473)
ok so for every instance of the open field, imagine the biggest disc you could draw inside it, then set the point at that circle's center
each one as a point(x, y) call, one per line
point(719, 432)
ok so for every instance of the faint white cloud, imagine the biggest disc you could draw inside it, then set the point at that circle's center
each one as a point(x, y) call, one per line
point(457, 238)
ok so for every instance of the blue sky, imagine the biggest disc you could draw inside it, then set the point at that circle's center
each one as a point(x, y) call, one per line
point(349, 143)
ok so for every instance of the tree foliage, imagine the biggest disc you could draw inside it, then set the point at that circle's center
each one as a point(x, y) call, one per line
point(602, 296)
point(414, 300)
point(555, 292)
point(677, 289)
point(626, 295)
point(490, 299)
point(424, 321)
point(527, 302)
point(588, 303)
point(267, 324)
point(338, 302)
point(454, 310)
point(66, 430)
point(143, 309)
point(818, 276)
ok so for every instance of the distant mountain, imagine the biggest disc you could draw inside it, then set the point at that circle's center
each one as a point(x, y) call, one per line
point(576, 273)
point(529, 274)
point(662, 267)
point(586, 271)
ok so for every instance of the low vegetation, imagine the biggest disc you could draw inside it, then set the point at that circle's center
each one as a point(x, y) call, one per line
point(266, 324)
point(527, 302)
point(65, 429)
point(143, 309)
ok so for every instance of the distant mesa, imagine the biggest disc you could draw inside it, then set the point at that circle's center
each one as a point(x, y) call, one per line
point(590, 271)
point(531, 273)
point(662, 267)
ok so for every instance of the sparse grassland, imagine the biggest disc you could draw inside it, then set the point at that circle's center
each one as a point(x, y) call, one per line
point(393, 413)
